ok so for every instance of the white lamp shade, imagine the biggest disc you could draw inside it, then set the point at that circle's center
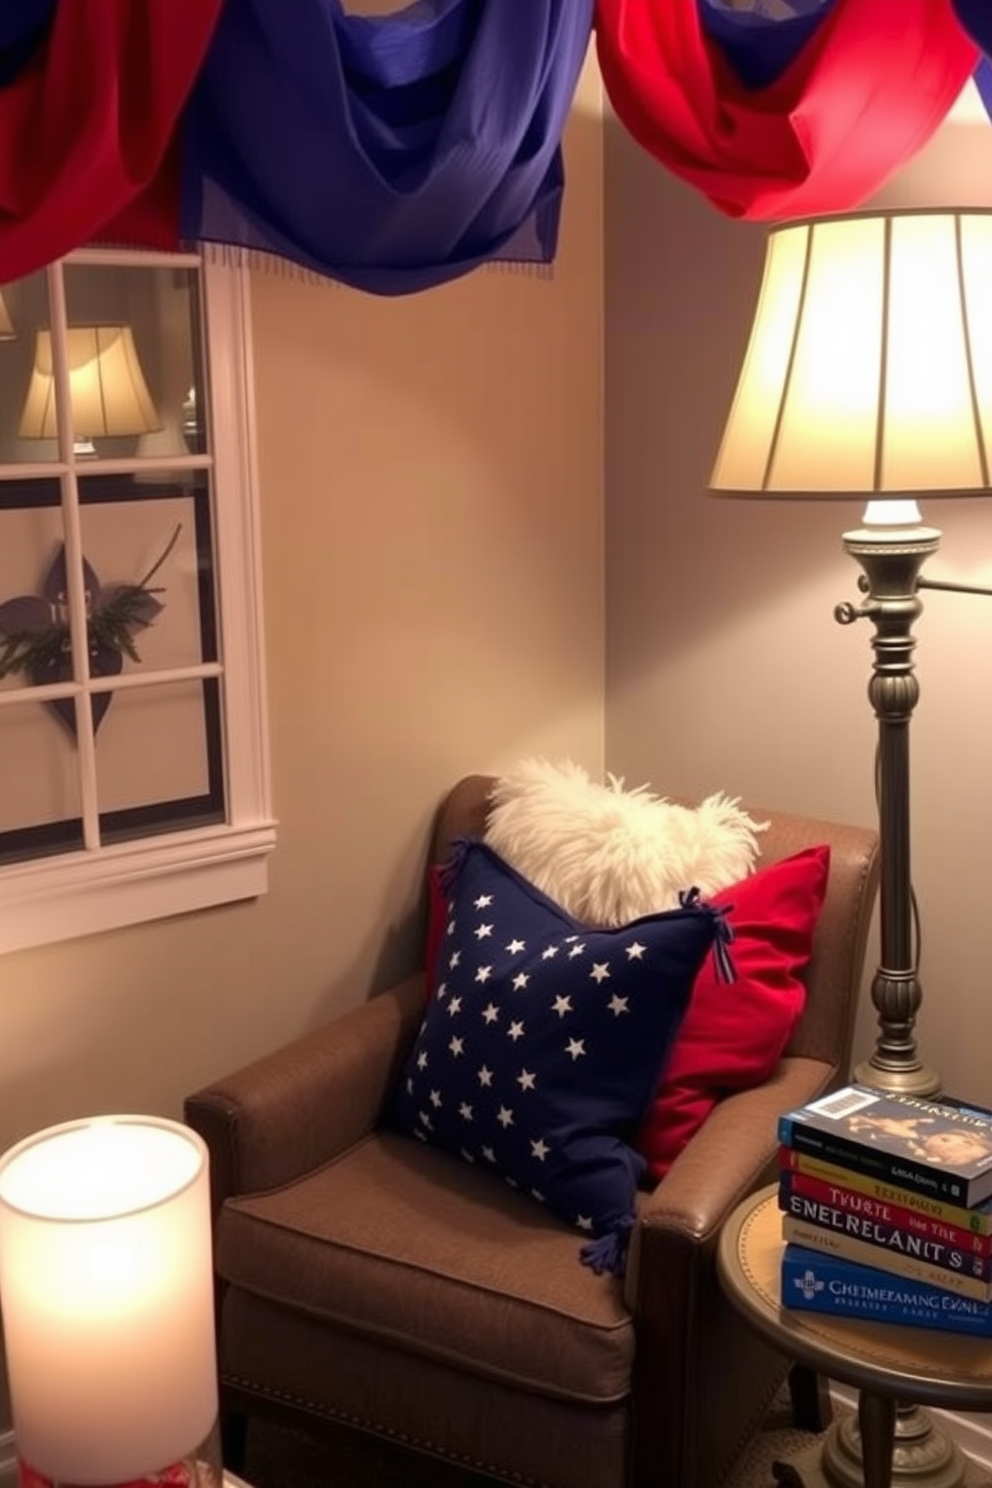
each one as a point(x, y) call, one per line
point(107, 390)
point(869, 368)
point(107, 1296)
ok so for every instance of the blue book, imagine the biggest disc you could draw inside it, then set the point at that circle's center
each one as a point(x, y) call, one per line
point(813, 1282)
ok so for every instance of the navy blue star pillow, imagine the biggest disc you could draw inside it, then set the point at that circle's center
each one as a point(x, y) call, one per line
point(544, 1040)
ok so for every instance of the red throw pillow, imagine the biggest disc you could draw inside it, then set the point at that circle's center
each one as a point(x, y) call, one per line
point(437, 920)
point(733, 1035)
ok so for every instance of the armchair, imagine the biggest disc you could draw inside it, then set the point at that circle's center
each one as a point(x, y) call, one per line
point(367, 1279)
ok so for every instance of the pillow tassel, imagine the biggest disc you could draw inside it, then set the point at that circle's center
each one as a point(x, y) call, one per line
point(723, 931)
point(609, 1252)
point(452, 865)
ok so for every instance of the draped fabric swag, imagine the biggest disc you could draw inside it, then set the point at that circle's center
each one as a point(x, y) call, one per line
point(864, 91)
point(392, 152)
point(395, 152)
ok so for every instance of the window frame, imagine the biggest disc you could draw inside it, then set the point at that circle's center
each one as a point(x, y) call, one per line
point(91, 889)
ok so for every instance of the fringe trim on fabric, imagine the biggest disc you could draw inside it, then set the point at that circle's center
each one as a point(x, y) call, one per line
point(232, 255)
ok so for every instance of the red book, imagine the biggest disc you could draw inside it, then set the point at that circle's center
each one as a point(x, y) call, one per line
point(882, 1210)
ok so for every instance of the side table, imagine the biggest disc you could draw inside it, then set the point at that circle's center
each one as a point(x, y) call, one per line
point(885, 1440)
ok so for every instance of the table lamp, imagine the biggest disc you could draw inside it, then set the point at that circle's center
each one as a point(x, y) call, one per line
point(107, 390)
point(106, 1287)
point(869, 374)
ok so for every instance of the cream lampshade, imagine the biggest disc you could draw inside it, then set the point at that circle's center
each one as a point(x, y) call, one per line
point(107, 1296)
point(869, 369)
point(869, 374)
point(107, 389)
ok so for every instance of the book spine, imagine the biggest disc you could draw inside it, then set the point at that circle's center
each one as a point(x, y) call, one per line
point(831, 1242)
point(978, 1221)
point(818, 1283)
point(851, 1201)
point(848, 1152)
point(887, 1236)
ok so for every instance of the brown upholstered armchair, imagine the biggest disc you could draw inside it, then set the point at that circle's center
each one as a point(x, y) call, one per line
point(367, 1279)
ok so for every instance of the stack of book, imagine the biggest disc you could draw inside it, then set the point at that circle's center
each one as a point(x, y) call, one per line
point(887, 1209)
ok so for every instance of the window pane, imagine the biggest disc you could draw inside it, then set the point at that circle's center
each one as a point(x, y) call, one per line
point(40, 809)
point(24, 316)
point(148, 547)
point(134, 371)
point(158, 760)
point(34, 616)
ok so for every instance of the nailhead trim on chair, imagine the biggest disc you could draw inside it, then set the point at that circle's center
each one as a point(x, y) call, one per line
point(378, 1429)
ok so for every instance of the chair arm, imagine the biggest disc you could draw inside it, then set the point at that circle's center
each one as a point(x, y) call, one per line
point(295, 1109)
point(730, 1156)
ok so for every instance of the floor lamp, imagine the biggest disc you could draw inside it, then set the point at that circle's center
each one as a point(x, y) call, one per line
point(869, 375)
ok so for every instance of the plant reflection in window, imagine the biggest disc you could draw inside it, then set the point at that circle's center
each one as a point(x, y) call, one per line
point(34, 630)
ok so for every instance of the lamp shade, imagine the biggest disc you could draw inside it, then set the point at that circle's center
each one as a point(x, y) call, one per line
point(869, 368)
point(107, 1297)
point(107, 389)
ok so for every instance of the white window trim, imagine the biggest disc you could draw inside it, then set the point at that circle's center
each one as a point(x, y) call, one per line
point(60, 897)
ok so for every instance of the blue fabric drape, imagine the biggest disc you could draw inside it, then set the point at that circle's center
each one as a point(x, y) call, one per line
point(24, 24)
point(392, 152)
point(761, 44)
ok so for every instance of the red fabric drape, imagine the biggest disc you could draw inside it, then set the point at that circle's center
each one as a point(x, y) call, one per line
point(864, 94)
point(86, 131)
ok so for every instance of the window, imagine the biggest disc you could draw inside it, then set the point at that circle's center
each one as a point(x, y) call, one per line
point(133, 754)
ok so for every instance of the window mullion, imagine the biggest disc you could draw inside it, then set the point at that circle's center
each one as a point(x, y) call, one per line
point(73, 538)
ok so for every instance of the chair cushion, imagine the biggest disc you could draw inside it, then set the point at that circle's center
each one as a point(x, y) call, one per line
point(402, 1242)
point(543, 1042)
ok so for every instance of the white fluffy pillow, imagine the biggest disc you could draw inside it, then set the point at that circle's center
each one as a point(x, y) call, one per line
point(608, 855)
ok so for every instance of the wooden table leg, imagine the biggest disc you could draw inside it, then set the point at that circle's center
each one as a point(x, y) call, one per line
point(877, 1424)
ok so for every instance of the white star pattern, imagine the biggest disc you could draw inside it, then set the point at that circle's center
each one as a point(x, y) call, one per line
point(537, 1041)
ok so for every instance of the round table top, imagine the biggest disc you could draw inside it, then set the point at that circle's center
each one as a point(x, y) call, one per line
point(929, 1366)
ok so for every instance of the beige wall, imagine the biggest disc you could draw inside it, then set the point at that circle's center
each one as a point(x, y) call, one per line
point(431, 494)
point(725, 669)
